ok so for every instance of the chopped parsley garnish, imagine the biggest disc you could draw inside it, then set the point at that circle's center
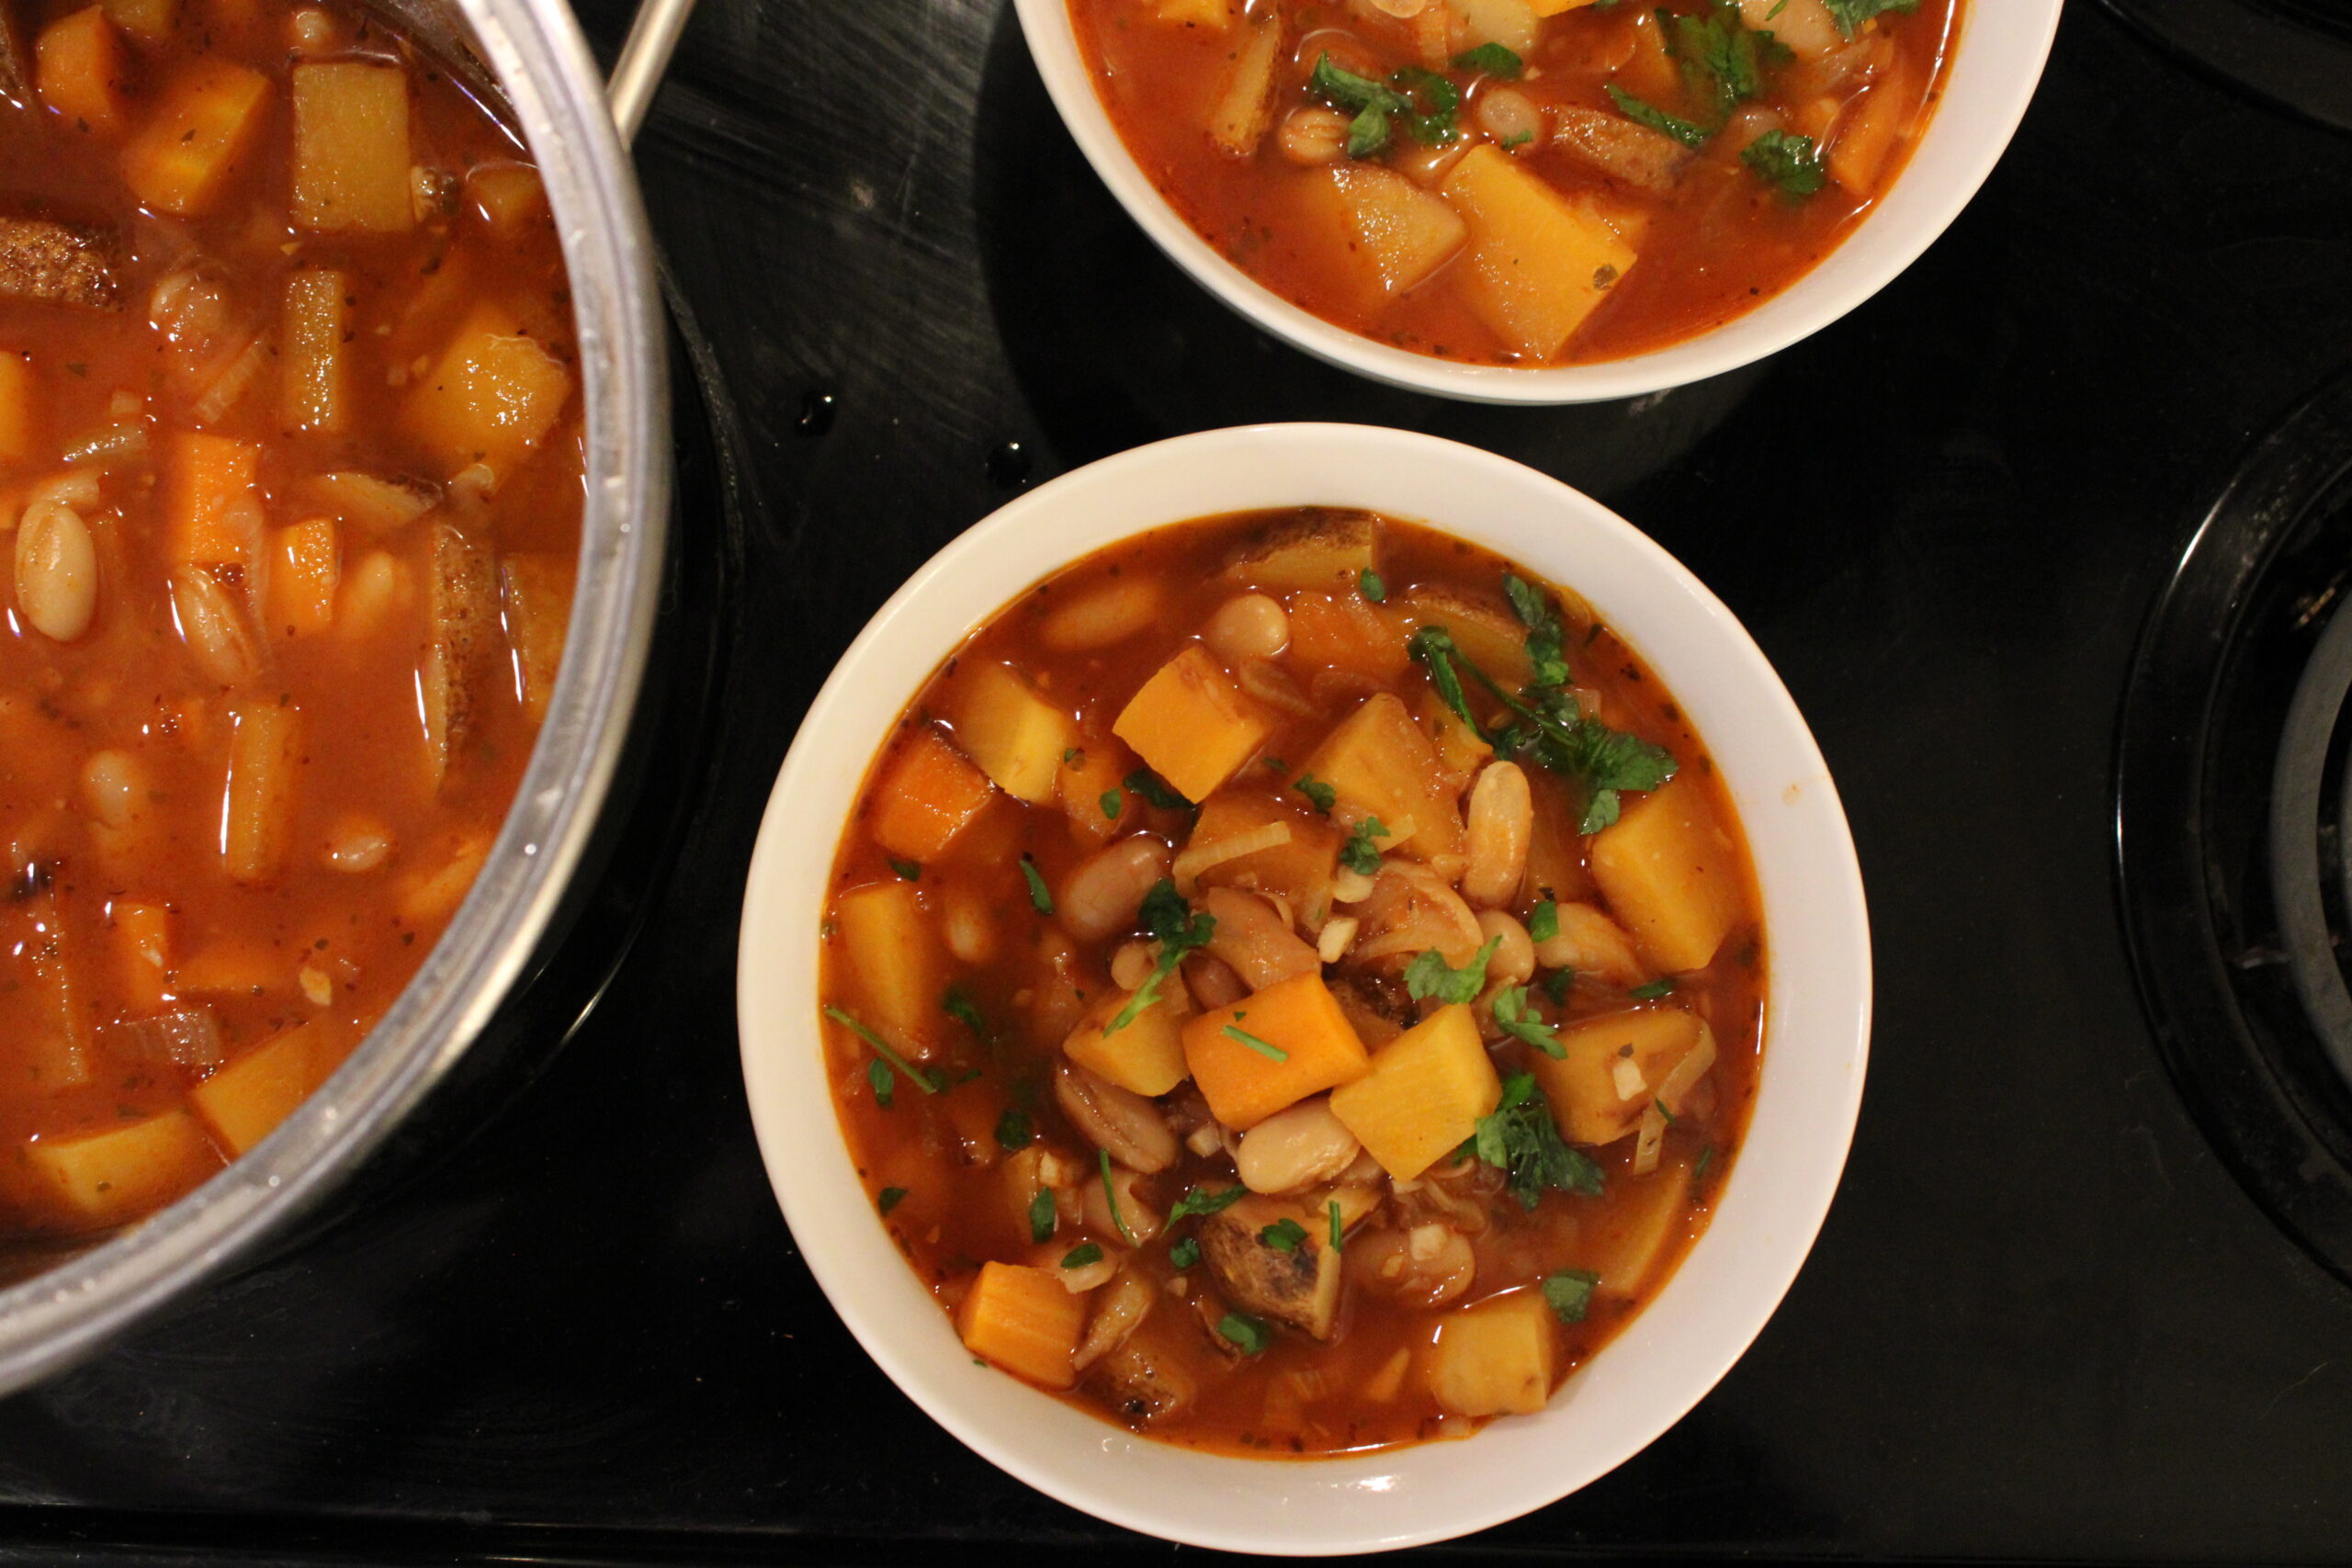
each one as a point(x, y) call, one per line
point(1266, 1048)
point(1147, 783)
point(1544, 921)
point(922, 1081)
point(1792, 163)
point(1177, 931)
point(1360, 855)
point(1493, 60)
point(1706, 1158)
point(907, 870)
point(1039, 899)
point(958, 1005)
point(1517, 139)
point(1428, 974)
point(1722, 60)
point(1569, 1291)
point(1520, 1140)
point(1331, 1207)
point(1043, 1216)
point(1556, 984)
point(1322, 794)
point(1185, 1254)
point(1369, 584)
point(1656, 118)
point(1653, 990)
point(1015, 1130)
point(1425, 101)
point(1245, 1333)
point(1433, 646)
point(1849, 15)
point(1201, 1201)
point(1284, 1235)
point(1544, 654)
point(877, 1074)
point(1072, 756)
point(1112, 800)
point(890, 1198)
point(1512, 1014)
point(1083, 1256)
point(1111, 1195)
point(1665, 1112)
point(1276, 763)
point(1434, 104)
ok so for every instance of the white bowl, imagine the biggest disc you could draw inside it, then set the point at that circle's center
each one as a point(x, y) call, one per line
point(2003, 45)
point(1817, 1030)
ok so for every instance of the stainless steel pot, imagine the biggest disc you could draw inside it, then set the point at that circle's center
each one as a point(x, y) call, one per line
point(543, 70)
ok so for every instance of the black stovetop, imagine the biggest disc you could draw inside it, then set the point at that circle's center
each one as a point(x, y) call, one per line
point(2044, 1320)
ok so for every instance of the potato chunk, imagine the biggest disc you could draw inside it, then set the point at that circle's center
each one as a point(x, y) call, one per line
point(1671, 875)
point(182, 161)
point(895, 959)
point(1380, 762)
point(1625, 1243)
point(244, 1101)
point(1399, 233)
point(1495, 1359)
point(1147, 1057)
point(1014, 733)
point(1191, 723)
point(351, 148)
point(1319, 548)
point(1424, 1094)
point(1612, 1067)
point(491, 398)
point(1539, 264)
point(105, 1178)
point(1237, 122)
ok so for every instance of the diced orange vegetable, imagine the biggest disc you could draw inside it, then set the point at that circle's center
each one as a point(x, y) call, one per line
point(313, 388)
point(897, 963)
point(1102, 766)
point(1671, 875)
point(430, 895)
point(1298, 1017)
point(1555, 7)
point(1537, 264)
point(491, 397)
point(149, 21)
point(184, 159)
point(21, 408)
point(1016, 734)
point(537, 591)
point(1237, 122)
point(305, 569)
point(265, 757)
point(1299, 870)
point(1339, 631)
point(1378, 760)
point(1424, 1094)
point(105, 1179)
point(1217, 13)
point(1495, 1359)
point(143, 939)
point(930, 795)
point(1023, 1320)
point(244, 1101)
point(351, 162)
point(230, 967)
point(1487, 635)
point(211, 511)
point(1625, 1242)
point(507, 194)
point(1649, 72)
point(1147, 1055)
point(1611, 1068)
point(78, 69)
point(1394, 232)
point(1191, 723)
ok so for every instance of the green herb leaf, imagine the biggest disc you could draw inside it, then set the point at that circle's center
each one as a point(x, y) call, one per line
point(1185, 1254)
point(1666, 1112)
point(1369, 584)
point(1072, 756)
point(1015, 1130)
point(907, 870)
point(1544, 636)
point(1284, 1235)
point(1570, 1293)
point(1360, 855)
point(1657, 119)
point(1177, 931)
point(958, 1005)
point(1511, 1012)
point(1653, 989)
point(1147, 783)
point(1789, 162)
point(1520, 1140)
point(1039, 898)
point(1276, 763)
point(1490, 60)
point(1245, 1333)
point(1706, 1158)
point(1433, 646)
point(1849, 15)
point(1265, 1048)
point(1544, 921)
point(1723, 62)
point(1435, 104)
point(877, 1074)
point(921, 1080)
point(1111, 1195)
point(1331, 1207)
point(1556, 984)
point(1042, 1215)
point(1082, 1255)
point(1112, 800)
point(1322, 794)
point(1429, 976)
point(1201, 1201)
point(890, 1198)
point(1370, 102)
point(1517, 139)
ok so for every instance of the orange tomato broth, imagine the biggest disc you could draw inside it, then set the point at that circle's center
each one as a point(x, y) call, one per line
point(1715, 246)
point(119, 746)
point(950, 1190)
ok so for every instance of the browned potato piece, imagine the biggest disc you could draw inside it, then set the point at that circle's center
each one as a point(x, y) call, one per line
point(461, 635)
point(1321, 547)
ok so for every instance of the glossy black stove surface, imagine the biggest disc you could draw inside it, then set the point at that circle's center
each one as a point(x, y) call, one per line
point(2044, 1320)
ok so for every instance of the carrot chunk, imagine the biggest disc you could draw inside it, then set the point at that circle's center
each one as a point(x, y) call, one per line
point(1024, 1321)
point(930, 795)
point(1308, 1046)
point(210, 507)
point(1191, 723)
point(305, 569)
point(78, 68)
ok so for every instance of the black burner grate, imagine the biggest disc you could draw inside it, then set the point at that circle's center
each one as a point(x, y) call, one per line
point(2296, 52)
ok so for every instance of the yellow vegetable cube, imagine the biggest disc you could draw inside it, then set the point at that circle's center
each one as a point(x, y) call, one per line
point(1671, 875)
point(245, 1100)
point(1424, 1092)
point(1101, 766)
point(20, 407)
point(1625, 1242)
point(1191, 723)
point(351, 148)
point(105, 1179)
point(1320, 547)
point(1538, 263)
point(1147, 1056)
point(508, 196)
point(1237, 122)
point(151, 20)
point(897, 963)
point(1512, 23)
point(1214, 14)
point(1015, 735)
point(493, 396)
point(1378, 760)
point(1555, 7)
point(1613, 1066)
point(1399, 233)
point(182, 160)
point(1495, 1359)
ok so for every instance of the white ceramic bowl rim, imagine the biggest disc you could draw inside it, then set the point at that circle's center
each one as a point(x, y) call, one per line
point(1995, 67)
point(1816, 1031)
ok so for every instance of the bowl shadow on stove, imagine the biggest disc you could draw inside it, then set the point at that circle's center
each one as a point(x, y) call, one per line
point(1114, 345)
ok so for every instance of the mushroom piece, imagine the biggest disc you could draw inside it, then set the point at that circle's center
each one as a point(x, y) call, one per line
point(1299, 1286)
point(1145, 1379)
point(463, 634)
point(1118, 1120)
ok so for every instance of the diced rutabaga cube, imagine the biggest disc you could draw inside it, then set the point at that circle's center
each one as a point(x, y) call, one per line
point(1378, 760)
point(1191, 723)
point(1555, 7)
point(1300, 1019)
point(1625, 1242)
point(1013, 732)
point(198, 137)
point(1671, 875)
point(926, 796)
point(351, 148)
point(1400, 233)
point(1610, 1069)
point(491, 398)
point(1424, 1094)
point(1495, 1359)
point(104, 1178)
point(1023, 1320)
point(1539, 264)
point(245, 1100)
point(1320, 547)
point(896, 960)
point(1512, 23)
point(1238, 121)
point(1214, 14)
point(1147, 1056)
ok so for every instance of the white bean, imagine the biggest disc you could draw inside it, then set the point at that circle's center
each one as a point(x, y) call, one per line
point(214, 626)
point(1509, 116)
point(1513, 963)
point(1314, 135)
point(57, 570)
point(1132, 965)
point(1294, 1148)
point(113, 784)
point(358, 843)
point(1501, 821)
point(1250, 625)
point(1104, 615)
point(967, 926)
point(1106, 889)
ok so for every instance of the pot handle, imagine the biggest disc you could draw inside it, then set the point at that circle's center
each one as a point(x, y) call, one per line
point(643, 58)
